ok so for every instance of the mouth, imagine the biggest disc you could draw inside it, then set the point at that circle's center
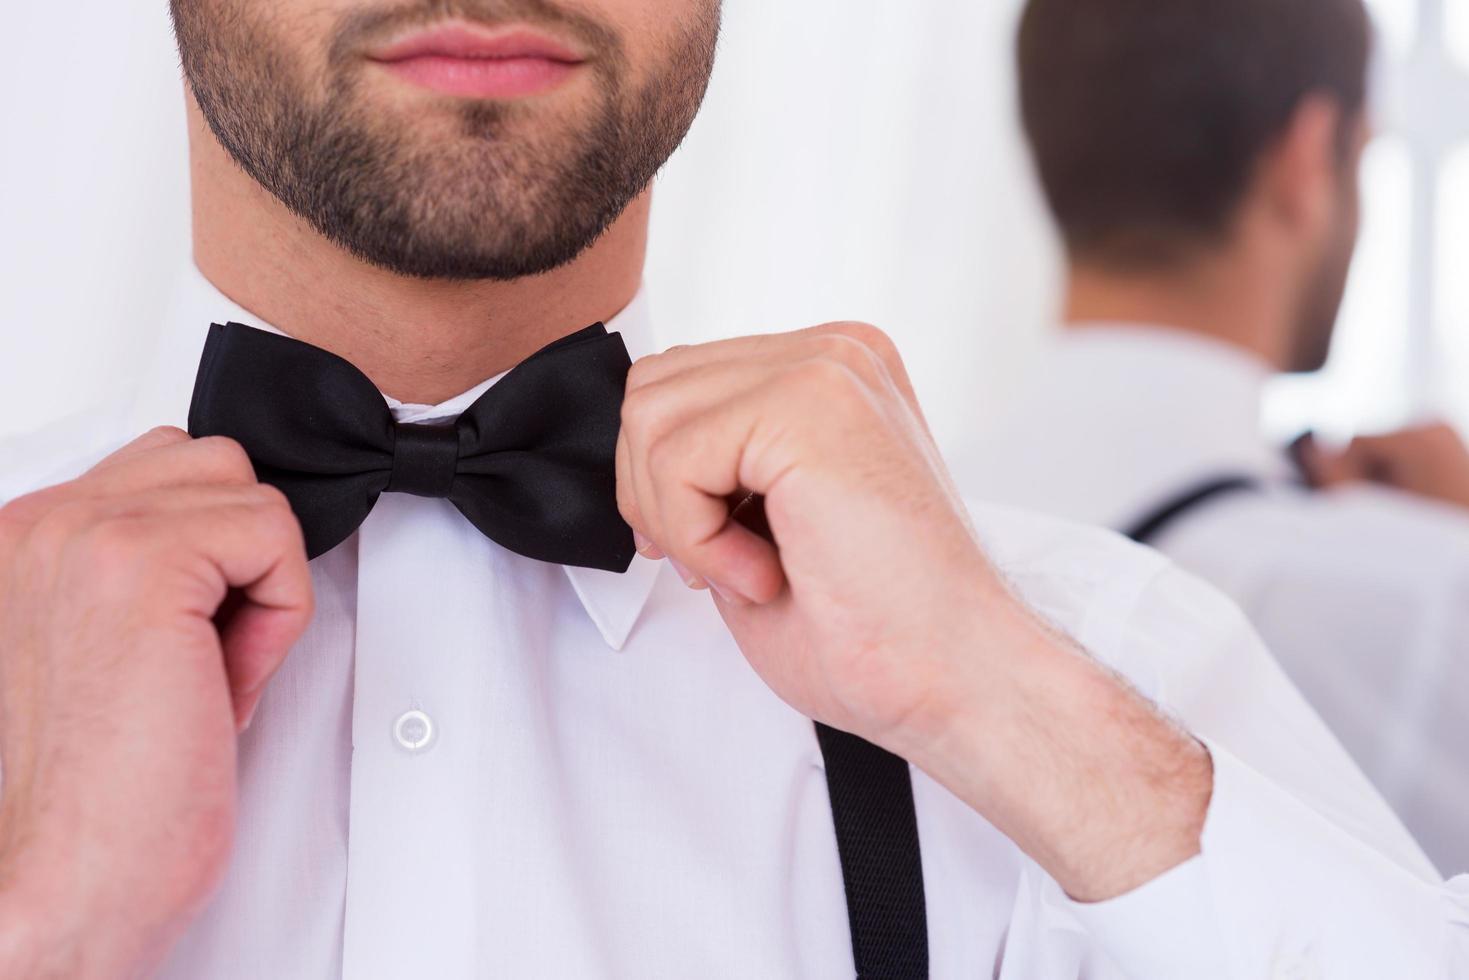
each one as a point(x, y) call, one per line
point(469, 61)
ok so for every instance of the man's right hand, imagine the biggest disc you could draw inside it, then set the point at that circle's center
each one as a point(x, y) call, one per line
point(142, 609)
point(1428, 461)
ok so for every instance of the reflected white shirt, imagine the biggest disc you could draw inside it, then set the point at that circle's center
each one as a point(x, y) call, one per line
point(1362, 593)
point(610, 791)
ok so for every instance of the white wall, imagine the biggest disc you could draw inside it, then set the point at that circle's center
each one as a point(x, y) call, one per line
point(855, 159)
point(93, 198)
point(860, 159)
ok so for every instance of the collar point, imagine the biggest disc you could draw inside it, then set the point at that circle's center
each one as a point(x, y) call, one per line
point(615, 601)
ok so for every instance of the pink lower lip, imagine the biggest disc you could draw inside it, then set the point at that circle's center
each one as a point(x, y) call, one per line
point(482, 78)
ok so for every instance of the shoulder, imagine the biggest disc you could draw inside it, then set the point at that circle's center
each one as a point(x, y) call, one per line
point(1358, 537)
point(1124, 602)
point(1378, 516)
point(61, 450)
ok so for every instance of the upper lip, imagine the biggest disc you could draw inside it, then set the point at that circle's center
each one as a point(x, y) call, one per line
point(460, 40)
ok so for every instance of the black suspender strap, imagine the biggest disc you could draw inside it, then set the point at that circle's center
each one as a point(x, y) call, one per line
point(1149, 528)
point(877, 839)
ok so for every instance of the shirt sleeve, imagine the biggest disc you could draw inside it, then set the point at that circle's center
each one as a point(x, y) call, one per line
point(1362, 595)
point(1304, 870)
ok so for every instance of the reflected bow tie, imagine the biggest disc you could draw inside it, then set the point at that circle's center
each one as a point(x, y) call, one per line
point(530, 464)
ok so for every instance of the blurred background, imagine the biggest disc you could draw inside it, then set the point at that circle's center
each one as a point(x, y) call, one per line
point(855, 159)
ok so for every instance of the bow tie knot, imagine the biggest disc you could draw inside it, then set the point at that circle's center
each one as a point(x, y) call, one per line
point(425, 459)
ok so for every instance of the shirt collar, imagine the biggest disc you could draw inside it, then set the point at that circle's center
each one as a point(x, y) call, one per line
point(1208, 389)
point(1159, 408)
point(613, 602)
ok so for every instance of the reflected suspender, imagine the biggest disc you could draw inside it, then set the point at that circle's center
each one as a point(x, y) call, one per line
point(876, 824)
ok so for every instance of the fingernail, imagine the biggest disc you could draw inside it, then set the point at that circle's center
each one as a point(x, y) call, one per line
point(729, 595)
point(245, 725)
point(689, 578)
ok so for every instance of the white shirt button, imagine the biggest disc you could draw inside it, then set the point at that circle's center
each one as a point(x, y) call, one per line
point(414, 730)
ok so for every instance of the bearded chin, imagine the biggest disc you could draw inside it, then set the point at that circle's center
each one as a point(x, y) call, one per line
point(484, 205)
point(503, 196)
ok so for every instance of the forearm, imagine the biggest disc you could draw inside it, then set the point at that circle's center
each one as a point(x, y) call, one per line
point(1181, 860)
point(1062, 756)
point(1281, 890)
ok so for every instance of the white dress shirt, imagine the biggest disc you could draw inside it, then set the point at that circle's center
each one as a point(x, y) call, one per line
point(478, 765)
point(1362, 593)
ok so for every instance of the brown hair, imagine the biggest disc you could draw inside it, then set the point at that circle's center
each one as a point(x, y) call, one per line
point(1148, 117)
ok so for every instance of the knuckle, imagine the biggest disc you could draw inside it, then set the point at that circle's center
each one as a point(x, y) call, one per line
point(829, 377)
point(225, 457)
point(633, 406)
point(26, 509)
point(155, 438)
point(872, 337)
point(664, 455)
point(641, 372)
point(293, 537)
point(269, 514)
point(626, 499)
point(855, 356)
point(882, 346)
point(624, 487)
point(641, 410)
point(627, 505)
point(161, 435)
point(843, 349)
point(628, 508)
point(875, 341)
point(271, 497)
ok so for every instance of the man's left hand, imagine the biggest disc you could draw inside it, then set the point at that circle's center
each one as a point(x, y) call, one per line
point(871, 605)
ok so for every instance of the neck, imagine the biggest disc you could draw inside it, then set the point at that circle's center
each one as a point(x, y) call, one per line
point(421, 341)
point(1217, 298)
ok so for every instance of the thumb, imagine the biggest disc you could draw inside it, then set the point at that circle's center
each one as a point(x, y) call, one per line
point(1321, 467)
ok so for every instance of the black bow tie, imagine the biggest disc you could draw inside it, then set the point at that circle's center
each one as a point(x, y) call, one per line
point(531, 463)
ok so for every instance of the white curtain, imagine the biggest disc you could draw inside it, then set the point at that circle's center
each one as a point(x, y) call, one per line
point(856, 159)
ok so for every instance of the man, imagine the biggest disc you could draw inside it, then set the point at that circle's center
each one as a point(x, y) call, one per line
point(1207, 195)
point(442, 769)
